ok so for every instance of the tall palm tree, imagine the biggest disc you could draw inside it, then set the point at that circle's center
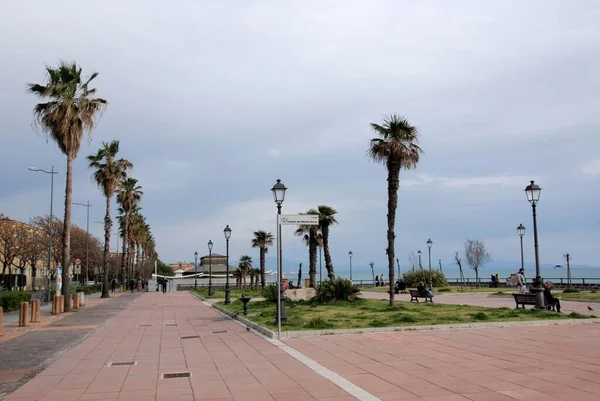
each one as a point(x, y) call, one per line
point(262, 240)
point(110, 171)
point(136, 224)
point(309, 236)
point(128, 196)
point(326, 219)
point(245, 265)
point(397, 148)
point(71, 110)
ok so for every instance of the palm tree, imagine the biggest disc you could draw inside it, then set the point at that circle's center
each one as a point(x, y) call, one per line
point(326, 219)
point(110, 171)
point(128, 196)
point(245, 265)
point(70, 111)
point(262, 240)
point(397, 147)
point(309, 235)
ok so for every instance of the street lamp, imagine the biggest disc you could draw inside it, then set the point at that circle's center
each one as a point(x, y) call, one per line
point(429, 244)
point(50, 233)
point(521, 233)
point(350, 255)
point(196, 270)
point(87, 238)
point(210, 290)
point(533, 196)
point(227, 232)
point(278, 191)
point(420, 265)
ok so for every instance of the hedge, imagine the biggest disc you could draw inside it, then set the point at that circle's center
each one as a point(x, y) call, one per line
point(11, 300)
point(413, 277)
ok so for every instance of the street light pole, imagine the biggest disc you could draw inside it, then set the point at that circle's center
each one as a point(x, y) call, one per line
point(350, 255)
point(195, 270)
point(87, 237)
point(278, 191)
point(420, 264)
point(227, 232)
point(521, 233)
point(50, 223)
point(429, 244)
point(210, 246)
point(533, 196)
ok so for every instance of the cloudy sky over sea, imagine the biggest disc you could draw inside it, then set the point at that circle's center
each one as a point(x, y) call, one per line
point(214, 100)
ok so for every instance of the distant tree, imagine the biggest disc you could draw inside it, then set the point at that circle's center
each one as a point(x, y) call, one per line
point(458, 260)
point(9, 246)
point(163, 269)
point(396, 147)
point(245, 265)
point(476, 256)
point(309, 234)
point(372, 264)
point(413, 259)
point(71, 110)
point(262, 240)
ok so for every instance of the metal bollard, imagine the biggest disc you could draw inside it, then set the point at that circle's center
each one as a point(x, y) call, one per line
point(23, 313)
point(55, 308)
point(35, 311)
point(61, 304)
point(74, 301)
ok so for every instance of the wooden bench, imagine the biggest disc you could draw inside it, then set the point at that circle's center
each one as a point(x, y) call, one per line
point(414, 296)
point(524, 299)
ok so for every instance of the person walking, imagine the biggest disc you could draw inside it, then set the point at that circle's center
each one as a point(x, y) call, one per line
point(113, 285)
point(521, 281)
point(132, 285)
point(164, 286)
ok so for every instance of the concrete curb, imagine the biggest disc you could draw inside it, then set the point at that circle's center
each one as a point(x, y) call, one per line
point(263, 330)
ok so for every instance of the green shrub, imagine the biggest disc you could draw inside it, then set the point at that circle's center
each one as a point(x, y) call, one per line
point(413, 277)
point(570, 291)
point(318, 322)
point(270, 293)
point(479, 316)
point(338, 289)
point(11, 300)
point(87, 289)
point(446, 289)
point(405, 319)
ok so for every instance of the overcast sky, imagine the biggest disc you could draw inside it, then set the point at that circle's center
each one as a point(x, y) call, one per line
point(214, 100)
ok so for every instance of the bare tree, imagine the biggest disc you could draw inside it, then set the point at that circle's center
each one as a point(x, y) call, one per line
point(458, 260)
point(373, 271)
point(476, 256)
point(413, 260)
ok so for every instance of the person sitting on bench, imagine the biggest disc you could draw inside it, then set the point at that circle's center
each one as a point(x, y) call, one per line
point(548, 298)
point(400, 286)
point(424, 292)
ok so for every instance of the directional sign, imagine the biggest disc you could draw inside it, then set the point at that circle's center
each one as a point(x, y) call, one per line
point(299, 219)
point(77, 262)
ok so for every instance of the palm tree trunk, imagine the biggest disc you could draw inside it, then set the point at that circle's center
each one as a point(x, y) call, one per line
point(312, 256)
point(66, 251)
point(106, 253)
point(328, 263)
point(393, 167)
point(262, 267)
point(124, 254)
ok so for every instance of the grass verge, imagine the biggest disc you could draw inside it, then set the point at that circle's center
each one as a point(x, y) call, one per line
point(234, 293)
point(364, 313)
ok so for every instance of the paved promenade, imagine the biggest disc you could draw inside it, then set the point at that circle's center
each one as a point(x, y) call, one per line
point(158, 335)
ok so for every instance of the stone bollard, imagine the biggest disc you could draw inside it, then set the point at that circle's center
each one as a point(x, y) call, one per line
point(74, 303)
point(55, 308)
point(35, 311)
point(23, 312)
point(61, 304)
point(1, 320)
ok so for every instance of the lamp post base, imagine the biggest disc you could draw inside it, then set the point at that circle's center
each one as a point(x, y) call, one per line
point(210, 291)
point(227, 296)
point(283, 314)
point(539, 294)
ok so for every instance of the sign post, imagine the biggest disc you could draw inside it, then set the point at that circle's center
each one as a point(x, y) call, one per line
point(77, 269)
point(58, 279)
point(289, 219)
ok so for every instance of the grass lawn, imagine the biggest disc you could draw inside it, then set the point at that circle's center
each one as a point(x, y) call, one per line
point(444, 290)
point(365, 313)
point(234, 293)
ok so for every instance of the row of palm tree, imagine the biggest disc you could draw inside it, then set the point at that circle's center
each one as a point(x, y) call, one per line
point(68, 112)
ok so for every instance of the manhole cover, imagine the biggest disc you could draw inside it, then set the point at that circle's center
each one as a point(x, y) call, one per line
point(144, 325)
point(176, 375)
point(188, 337)
point(171, 325)
point(130, 363)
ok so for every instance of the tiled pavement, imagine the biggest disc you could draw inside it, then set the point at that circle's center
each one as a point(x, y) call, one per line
point(229, 363)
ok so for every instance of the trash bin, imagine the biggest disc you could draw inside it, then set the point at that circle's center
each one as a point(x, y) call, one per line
point(82, 297)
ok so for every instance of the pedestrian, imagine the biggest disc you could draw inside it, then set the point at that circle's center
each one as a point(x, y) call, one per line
point(113, 285)
point(376, 281)
point(132, 285)
point(521, 281)
point(164, 286)
point(381, 281)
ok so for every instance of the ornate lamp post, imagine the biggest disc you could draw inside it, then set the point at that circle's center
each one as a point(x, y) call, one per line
point(210, 290)
point(278, 191)
point(195, 270)
point(350, 255)
point(521, 233)
point(429, 244)
point(227, 232)
point(533, 196)
point(420, 265)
